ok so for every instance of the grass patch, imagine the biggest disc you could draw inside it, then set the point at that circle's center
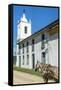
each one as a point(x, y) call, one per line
point(30, 71)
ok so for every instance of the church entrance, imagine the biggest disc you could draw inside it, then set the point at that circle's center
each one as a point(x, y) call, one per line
point(33, 61)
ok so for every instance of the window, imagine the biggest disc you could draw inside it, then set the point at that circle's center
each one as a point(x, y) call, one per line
point(43, 57)
point(43, 54)
point(27, 46)
point(23, 48)
point(43, 36)
point(27, 59)
point(25, 29)
point(23, 60)
point(33, 41)
point(42, 43)
point(27, 43)
point(19, 46)
point(19, 49)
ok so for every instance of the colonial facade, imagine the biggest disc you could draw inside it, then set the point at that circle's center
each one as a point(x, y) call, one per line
point(41, 46)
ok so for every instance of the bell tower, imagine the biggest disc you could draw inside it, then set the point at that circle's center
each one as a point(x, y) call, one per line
point(23, 27)
point(23, 31)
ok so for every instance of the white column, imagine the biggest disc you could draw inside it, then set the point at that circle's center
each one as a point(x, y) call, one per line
point(17, 60)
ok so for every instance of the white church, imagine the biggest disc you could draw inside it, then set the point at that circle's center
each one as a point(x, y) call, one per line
point(41, 46)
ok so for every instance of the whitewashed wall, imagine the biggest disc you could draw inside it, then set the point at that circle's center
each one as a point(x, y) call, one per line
point(51, 55)
point(22, 33)
point(53, 50)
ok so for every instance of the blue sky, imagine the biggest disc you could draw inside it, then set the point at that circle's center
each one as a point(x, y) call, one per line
point(40, 16)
